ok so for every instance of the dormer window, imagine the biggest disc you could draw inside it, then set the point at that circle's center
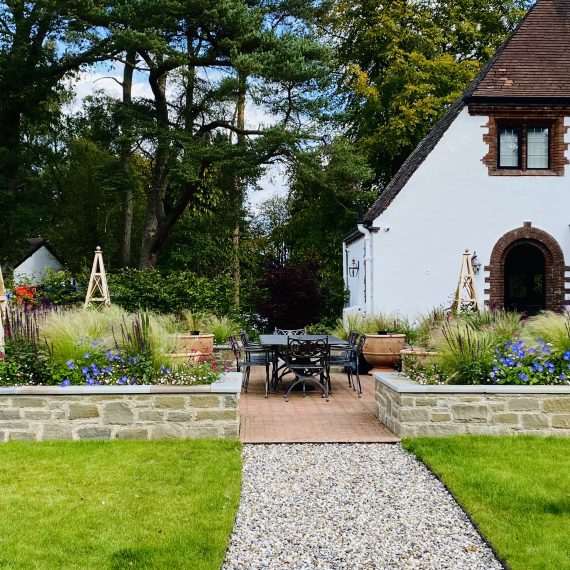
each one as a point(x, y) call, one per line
point(524, 147)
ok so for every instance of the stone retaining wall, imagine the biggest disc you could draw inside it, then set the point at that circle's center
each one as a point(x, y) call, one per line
point(410, 409)
point(133, 412)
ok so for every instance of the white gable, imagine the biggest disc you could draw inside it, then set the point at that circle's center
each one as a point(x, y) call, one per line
point(34, 268)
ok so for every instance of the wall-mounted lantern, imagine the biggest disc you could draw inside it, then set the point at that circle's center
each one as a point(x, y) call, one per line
point(354, 268)
point(476, 264)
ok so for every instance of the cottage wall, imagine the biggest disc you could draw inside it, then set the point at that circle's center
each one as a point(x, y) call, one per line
point(451, 204)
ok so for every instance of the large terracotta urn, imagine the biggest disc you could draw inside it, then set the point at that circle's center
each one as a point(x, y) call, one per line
point(419, 355)
point(195, 344)
point(383, 349)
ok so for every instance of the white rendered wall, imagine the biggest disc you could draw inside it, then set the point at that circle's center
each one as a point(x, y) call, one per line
point(355, 285)
point(451, 204)
point(35, 268)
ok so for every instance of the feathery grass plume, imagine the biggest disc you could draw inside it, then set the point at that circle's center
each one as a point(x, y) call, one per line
point(70, 334)
point(465, 354)
point(195, 321)
point(552, 328)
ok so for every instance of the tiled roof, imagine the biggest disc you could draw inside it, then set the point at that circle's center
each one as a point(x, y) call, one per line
point(536, 58)
point(535, 62)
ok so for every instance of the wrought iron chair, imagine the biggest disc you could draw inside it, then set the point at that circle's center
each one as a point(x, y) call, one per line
point(308, 361)
point(290, 332)
point(356, 363)
point(282, 369)
point(342, 355)
point(246, 357)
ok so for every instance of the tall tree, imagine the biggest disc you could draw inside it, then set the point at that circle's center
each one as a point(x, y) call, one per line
point(193, 54)
point(40, 44)
point(406, 62)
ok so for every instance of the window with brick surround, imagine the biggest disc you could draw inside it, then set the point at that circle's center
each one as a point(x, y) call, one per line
point(542, 146)
point(523, 147)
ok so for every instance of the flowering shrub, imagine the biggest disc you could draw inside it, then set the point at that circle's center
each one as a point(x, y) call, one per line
point(519, 363)
point(102, 368)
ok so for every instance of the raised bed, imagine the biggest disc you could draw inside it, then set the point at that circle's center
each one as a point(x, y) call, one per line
point(410, 409)
point(124, 412)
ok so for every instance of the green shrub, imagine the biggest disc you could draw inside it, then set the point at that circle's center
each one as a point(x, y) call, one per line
point(170, 292)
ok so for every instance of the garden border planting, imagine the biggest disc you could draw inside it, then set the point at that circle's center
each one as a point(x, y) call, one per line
point(411, 409)
point(43, 413)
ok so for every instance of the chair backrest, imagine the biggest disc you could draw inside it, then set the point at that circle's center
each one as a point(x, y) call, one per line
point(317, 350)
point(291, 332)
point(360, 345)
point(234, 345)
point(244, 338)
point(353, 335)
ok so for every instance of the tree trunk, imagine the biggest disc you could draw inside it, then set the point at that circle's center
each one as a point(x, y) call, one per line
point(125, 157)
point(238, 192)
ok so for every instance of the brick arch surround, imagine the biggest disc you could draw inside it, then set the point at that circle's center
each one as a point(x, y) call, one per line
point(554, 260)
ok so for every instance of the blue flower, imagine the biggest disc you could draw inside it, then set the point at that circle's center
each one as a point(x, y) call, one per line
point(86, 355)
point(562, 376)
point(65, 383)
point(85, 370)
point(523, 377)
point(93, 343)
point(95, 370)
point(566, 355)
point(90, 381)
point(122, 380)
point(70, 365)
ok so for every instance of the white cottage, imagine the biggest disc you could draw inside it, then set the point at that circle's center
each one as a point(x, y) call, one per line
point(491, 177)
point(39, 259)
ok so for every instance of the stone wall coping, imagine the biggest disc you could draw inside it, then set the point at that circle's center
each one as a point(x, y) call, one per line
point(404, 385)
point(229, 384)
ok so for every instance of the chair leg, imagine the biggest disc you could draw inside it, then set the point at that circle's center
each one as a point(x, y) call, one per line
point(246, 377)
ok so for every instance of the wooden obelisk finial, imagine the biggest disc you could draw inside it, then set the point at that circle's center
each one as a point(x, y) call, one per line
point(98, 291)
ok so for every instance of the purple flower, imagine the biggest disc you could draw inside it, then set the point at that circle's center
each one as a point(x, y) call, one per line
point(65, 383)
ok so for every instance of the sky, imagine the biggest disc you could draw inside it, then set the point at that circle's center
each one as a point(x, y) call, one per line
point(272, 183)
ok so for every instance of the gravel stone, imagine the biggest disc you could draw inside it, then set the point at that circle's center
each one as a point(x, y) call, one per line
point(348, 506)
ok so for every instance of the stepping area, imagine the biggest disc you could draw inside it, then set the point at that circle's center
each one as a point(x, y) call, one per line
point(345, 418)
point(348, 506)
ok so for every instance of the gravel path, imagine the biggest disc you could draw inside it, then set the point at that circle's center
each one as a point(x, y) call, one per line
point(348, 506)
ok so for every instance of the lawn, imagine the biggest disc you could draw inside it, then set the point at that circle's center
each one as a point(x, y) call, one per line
point(517, 490)
point(116, 505)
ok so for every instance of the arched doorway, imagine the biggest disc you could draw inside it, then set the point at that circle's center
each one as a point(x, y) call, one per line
point(525, 278)
point(526, 270)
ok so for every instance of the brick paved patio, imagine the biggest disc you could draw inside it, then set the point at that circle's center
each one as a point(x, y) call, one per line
point(345, 418)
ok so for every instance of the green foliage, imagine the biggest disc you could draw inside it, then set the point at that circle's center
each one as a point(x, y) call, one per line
point(515, 489)
point(22, 365)
point(170, 292)
point(60, 288)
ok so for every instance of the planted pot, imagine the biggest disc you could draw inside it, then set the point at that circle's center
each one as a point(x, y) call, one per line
point(419, 355)
point(196, 344)
point(383, 349)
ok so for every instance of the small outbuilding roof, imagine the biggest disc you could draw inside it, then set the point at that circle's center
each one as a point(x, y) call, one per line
point(513, 73)
point(35, 244)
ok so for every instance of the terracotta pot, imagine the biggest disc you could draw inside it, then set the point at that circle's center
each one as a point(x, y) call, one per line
point(383, 349)
point(197, 344)
point(418, 354)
